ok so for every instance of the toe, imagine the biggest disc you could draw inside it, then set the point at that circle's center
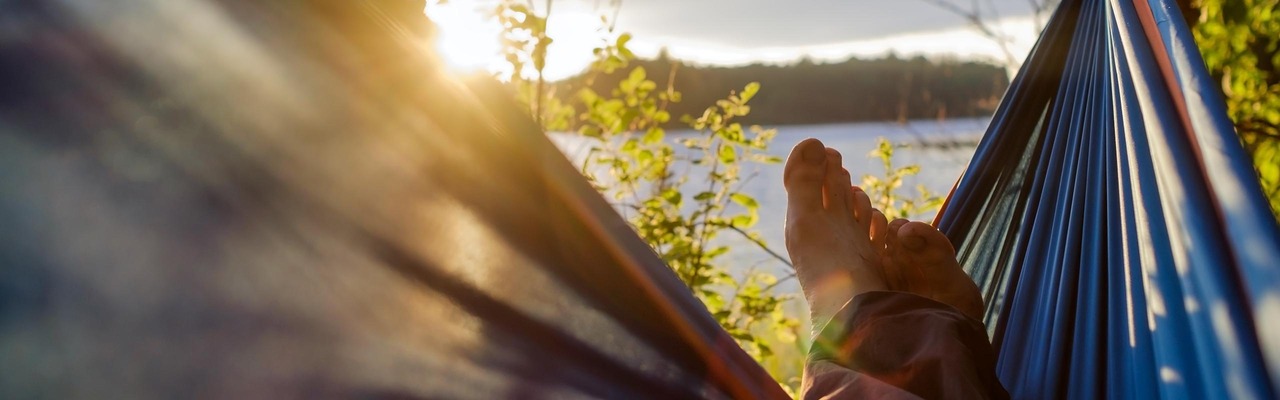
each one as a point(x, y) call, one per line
point(891, 240)
point(862, 208)
point(803, 175)
point(836, 183)
point(879, 228)
point(895, 265)
point(919, 236)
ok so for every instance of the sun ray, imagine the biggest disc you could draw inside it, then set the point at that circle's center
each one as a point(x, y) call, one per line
point(467, 39)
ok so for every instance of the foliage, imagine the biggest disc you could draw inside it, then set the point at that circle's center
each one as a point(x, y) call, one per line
point(884, 191)
point(1240, 42)
point(647, 176)
point(683, 195)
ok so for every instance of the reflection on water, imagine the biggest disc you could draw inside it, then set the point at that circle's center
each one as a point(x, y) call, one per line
point(942, 149)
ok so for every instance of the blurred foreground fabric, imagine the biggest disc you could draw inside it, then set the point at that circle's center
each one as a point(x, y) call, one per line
point(1116, 224)
point(289, 199)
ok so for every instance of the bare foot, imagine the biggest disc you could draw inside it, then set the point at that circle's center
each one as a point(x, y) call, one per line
point(828, 231)
point(919, 259)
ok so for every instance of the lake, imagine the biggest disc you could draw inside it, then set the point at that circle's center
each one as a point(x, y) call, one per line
point(942, 149)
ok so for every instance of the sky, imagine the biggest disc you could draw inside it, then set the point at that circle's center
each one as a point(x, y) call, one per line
point(736, 32)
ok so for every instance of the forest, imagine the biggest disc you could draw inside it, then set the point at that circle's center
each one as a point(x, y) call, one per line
point(884, 89)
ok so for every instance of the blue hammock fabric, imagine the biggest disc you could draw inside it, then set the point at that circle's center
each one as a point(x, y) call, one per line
point(1115, 223)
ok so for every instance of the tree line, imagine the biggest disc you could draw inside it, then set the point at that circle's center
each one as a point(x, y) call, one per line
point(884, 89)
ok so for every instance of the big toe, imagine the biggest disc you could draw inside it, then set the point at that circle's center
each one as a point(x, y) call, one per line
point(803, 175)
point(839, 194)
point(931, 268)
point(925, 241)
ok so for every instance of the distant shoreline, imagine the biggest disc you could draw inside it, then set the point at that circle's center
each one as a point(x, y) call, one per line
point(852, 91)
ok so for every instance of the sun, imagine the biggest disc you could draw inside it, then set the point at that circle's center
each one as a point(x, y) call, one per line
point(468, 38)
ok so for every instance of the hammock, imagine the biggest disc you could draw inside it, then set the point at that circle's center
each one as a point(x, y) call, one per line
point(279, 226)
point(1114, 222)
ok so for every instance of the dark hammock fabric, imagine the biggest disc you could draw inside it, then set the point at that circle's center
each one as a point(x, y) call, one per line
point(1116, 224)
point(288, 199)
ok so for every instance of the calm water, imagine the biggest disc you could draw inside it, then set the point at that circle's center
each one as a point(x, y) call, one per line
point(942, 149)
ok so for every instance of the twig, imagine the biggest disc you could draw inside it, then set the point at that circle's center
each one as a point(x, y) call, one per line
point(763, 246)
point(539, 58)
point(975, 18)
point(790, 276)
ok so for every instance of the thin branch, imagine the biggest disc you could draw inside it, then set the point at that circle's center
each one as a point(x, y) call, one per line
point(790, 276)
point(733, 300)
point(540, 64)
point(976, 19)
point(1036, 9)
point(763, 246)
point(949, 7)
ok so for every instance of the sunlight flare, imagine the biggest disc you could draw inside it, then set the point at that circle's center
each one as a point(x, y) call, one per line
point(468, 38)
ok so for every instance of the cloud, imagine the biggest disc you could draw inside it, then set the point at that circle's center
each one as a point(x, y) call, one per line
point(778, 23)
point(958, 42)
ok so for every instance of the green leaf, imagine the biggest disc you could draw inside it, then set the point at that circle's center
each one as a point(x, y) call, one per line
point(645, 156)
point(728, 154)
point(722, 315)
point(672, 196)
point(712, 299)
point(661, 117)
point(765, 350)
point(744, 200)
point(750, 91)
point(654, 135)
point(637, 76)
point(718, 251)
point(588, 96)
